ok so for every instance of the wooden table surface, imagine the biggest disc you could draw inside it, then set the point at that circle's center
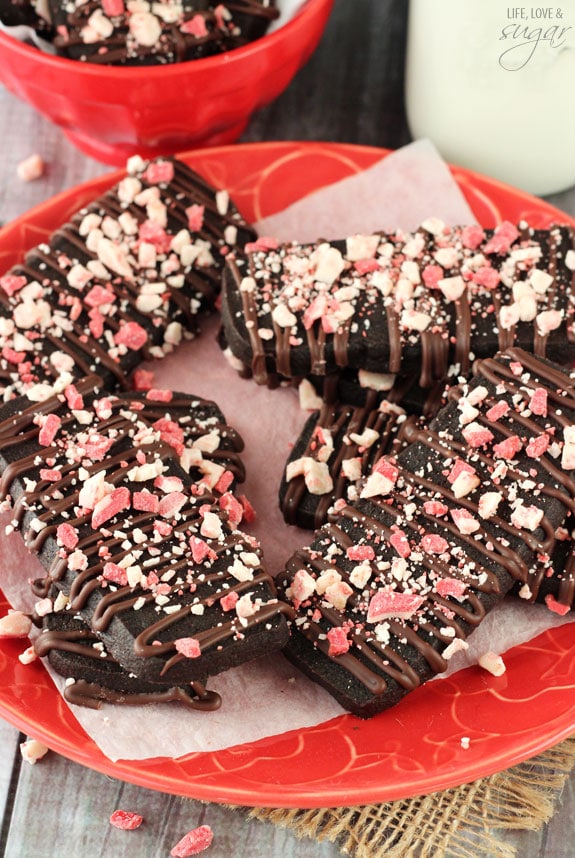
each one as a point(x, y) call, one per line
point(351, 91)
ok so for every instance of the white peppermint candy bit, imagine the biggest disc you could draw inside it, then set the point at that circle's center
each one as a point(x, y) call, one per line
point(527, 517)
point(15, 625)
point(329, 264)
point(361, 247)
point(414, 320)
point(283, 317)
point(145, 28)
point(488, 504)
point(317, 477)
point(493, 663)
point(548, 320)
point(302, 586)
point(32, 750)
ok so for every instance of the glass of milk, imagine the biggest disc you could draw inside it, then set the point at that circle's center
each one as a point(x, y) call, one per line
point(493, 85)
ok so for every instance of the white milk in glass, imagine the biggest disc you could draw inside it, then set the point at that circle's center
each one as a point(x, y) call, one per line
point(493, 85)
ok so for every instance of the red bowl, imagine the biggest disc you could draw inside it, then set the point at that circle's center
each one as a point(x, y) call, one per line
point(111, 113)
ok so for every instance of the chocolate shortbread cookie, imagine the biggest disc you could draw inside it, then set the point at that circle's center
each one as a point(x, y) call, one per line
point(124, 280)
point(390, 588)
point(94, 677)
point(134, 521)
point(336, 448)
point(396, 303)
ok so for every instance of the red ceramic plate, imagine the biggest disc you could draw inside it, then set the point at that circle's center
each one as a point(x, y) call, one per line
point(412, 749)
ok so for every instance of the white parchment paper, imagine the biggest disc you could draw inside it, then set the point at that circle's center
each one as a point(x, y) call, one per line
point(269, 697)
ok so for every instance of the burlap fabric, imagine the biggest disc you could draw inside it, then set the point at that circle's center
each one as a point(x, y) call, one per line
point(457, 823)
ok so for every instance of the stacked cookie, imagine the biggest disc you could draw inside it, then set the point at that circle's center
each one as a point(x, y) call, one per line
point(128, 501)
point(392, 586)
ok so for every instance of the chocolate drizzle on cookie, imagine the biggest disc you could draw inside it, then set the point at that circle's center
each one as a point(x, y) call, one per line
point(439, 532)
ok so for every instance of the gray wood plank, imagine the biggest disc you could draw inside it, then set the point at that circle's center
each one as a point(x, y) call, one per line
point(9, 739)
point(74, 805)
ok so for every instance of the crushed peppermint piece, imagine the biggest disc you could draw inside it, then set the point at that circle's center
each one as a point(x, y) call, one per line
point(194, 842)
point(32, 750)
point(126, 820)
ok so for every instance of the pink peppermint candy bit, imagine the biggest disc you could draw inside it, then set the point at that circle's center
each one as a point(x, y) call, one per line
point(435, 508)
point(358, 553)
point(229, 601)
point(159, 172)
point(142, 379)
point(152, 233)
point(155, 395)
point(503, 237)
point(67, 536)
point(188, 647)
point(477, 435)
point(458, 468)
point(126, 820)
point(131, 335)
point(508, 448)
point(400, 542)
point(432, 543)
point(432, 274)
point(201, 550)
point(464, 521)
point(50, 475)
point(194, 842)
point(387, 604)
point(497, 411)
point(115, 574)
point(168, 484)
point(555, 606)
point(451, 587)
point(96, 446)
point(98, 296)
point(233, 507)
point(12, 283)
point(224, 483)
point(145, 501)
point(49, 429)
point(538, 446)
point(110, 505)
point(113, 8)
point(15, 625)
point(74, 399)
point(195, 216)
point(171, 504)
point(338, 641)
point(487, 277)
point(196, 27)
point(538, 402)
point(472, 236)
point(263, 243)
